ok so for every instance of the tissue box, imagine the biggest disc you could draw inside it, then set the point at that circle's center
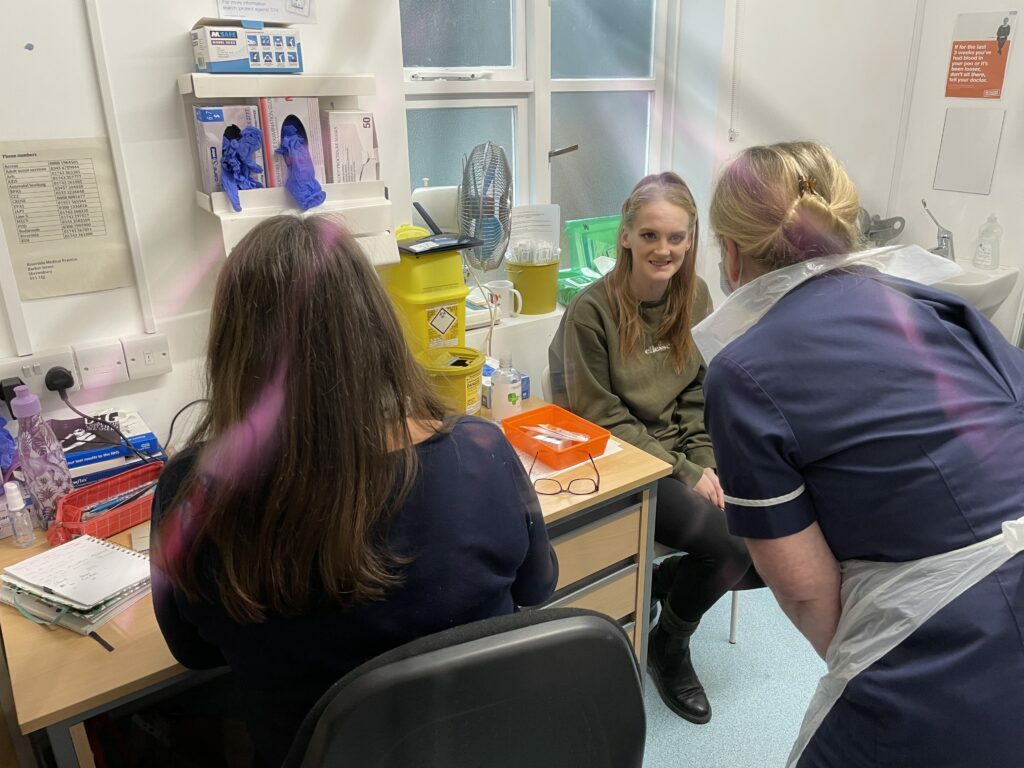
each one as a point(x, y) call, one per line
point(210, 124)
point(274, 112)
point(485, 382)
point(225, 45)
point(350, 142)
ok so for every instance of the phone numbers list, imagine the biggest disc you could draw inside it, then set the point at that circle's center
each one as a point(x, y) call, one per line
point(54, 200)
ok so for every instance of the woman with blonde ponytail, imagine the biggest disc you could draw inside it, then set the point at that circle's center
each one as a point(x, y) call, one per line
point(623, 357)
point(869, 432)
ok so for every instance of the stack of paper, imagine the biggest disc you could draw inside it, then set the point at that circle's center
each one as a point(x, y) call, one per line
point(79, 585)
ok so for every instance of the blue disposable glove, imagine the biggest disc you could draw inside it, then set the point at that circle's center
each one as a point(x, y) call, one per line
point(8, 448)
point(301, 182)
point(237, 165)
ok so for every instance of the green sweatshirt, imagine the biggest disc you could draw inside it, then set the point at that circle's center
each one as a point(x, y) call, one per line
point(640, 399)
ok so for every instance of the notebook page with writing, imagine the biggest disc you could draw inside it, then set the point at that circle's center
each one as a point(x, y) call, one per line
point(85, 571)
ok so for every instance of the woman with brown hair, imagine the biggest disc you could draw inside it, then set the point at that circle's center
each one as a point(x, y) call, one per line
point(623, 358)
point(328, 507)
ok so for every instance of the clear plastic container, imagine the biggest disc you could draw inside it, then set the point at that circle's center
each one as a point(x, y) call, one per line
point(986, 252)
point(42, 460)
point(506, 389)
point(19, 515)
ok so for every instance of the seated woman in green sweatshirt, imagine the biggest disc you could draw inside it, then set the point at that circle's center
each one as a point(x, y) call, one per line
point(623, 358)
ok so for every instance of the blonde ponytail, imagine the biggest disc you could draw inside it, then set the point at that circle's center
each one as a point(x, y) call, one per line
point(786, 203)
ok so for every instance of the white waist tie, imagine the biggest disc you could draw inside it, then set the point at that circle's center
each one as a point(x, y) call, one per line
point(884, 603)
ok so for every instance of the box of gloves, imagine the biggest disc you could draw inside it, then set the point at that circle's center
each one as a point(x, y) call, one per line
point(350, 141)
point(227, 45)
point(211, 125)
point(290, 119)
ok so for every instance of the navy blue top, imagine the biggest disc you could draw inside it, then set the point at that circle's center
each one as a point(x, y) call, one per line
point(891, 414)
point(472, 525)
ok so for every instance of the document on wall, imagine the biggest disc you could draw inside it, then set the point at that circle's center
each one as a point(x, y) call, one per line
point(286, 11)
point(981, 48)
point(62, 219)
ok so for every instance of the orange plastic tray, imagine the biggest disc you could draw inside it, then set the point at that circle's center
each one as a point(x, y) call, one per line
point(559, 417)
point(70, 508)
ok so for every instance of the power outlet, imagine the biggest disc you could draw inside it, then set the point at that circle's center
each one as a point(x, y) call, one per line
point(146, 354)
point(101, 364)
point(32, 368)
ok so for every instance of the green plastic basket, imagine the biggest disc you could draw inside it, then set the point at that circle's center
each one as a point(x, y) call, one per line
point(591, 238)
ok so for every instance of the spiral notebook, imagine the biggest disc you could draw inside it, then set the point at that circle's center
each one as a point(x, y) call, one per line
point(82, 574)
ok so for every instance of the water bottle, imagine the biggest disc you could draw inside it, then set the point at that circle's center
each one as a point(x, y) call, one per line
point(986, 254)
point(20, 517)
point(506, 389)
point(42, 460)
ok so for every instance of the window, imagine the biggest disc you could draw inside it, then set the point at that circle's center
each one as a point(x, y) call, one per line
point(443, 134)
point(533, 76)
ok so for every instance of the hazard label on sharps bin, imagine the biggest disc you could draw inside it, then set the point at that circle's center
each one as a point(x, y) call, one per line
point(442, 330)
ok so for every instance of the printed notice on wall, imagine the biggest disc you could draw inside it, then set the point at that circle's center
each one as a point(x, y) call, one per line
point(977, 61)
point(286, 11)
point(61, 215)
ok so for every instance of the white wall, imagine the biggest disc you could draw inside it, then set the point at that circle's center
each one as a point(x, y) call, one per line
point(828, 71)
point(961, 212)
point(56, 91)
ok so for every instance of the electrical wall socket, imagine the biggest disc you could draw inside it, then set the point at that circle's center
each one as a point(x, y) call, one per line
point(32, 368)
point(101, 364)
point(146, 354)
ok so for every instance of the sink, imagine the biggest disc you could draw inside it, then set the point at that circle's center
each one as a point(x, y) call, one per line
point(986, 289)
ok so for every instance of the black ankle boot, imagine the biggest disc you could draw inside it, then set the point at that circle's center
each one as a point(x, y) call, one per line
point(668, 661)
point(663, 576)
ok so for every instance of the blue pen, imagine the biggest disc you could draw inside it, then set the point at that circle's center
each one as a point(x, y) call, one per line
point(119, 500)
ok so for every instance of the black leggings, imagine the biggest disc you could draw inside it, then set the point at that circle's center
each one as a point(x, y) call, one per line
point(715, 560)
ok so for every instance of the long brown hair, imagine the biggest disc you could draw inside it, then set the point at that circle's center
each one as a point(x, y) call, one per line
point(785, 203)
point(304, 450)
point(682, 288)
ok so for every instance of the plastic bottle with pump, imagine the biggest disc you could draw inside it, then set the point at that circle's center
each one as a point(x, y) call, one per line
point(20, 517)
point(506, 389)
point(42, 459)
point(986, 252)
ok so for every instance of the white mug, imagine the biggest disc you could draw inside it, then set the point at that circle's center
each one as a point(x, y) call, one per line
point(502, 294)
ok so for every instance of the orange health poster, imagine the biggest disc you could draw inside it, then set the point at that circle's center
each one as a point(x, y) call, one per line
point(977, 61)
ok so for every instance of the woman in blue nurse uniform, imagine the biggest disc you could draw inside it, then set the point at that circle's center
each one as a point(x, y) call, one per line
point(869, 435)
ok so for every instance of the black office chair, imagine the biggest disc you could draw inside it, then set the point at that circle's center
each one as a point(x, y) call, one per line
point(544, 689)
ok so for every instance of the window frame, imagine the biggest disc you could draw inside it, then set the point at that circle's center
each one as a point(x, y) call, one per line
point(482, 74)
point(528, 86)
point(518, 162)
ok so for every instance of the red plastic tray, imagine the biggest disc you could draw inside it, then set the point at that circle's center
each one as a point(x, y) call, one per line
point(559, 417)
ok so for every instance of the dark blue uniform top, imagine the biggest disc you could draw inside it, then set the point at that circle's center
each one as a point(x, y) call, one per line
point(893, 415)
point(473, 528)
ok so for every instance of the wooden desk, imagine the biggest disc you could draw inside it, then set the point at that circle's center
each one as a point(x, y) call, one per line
point(605, 541)
point(58, 678)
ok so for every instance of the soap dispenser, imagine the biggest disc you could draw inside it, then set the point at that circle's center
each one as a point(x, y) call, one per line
point(986, 252)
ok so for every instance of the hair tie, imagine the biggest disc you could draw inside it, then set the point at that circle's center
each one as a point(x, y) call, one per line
point(808, 184)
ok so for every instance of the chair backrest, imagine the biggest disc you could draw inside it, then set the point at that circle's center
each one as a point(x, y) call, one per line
point(544, 689)
point(545, 383)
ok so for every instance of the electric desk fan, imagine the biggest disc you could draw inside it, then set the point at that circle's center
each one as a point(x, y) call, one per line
point(485, 211)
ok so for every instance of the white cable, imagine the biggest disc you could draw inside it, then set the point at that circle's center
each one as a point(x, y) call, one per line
point(490, 308)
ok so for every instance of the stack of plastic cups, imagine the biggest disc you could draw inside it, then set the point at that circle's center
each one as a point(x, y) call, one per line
point(532, 266)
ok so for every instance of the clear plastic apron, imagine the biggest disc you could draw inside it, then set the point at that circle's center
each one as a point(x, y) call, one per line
point(884, 603)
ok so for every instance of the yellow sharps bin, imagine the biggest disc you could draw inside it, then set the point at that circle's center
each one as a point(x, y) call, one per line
point(429, 294)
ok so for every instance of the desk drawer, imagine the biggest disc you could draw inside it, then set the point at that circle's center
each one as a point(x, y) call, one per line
point(614, 595)
point(597, 546)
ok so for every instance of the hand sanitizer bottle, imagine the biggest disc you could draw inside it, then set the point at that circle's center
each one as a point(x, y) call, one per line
point(986, 253)
point(20, 517)
point(506, 389)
